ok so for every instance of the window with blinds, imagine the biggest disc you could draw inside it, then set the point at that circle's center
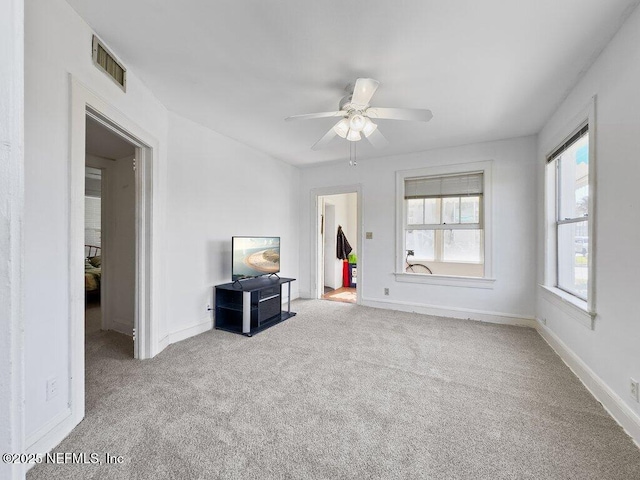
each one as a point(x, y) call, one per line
point(449, 185)
point(569, 167)
point(444, 219)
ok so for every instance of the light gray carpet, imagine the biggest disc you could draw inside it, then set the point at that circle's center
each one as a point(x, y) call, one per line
point(92, 317)
point(343, 391)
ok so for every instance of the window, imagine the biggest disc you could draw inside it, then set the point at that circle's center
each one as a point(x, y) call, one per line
point(443, 223)
point(569, 168)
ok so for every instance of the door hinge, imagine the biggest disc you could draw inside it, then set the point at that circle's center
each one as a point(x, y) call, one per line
point(134, 164)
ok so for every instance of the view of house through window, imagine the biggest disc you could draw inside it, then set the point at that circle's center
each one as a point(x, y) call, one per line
point(571, 165)
point(444, 224)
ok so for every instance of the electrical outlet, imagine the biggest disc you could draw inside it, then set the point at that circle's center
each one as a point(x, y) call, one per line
point(634, 390)
point(208, 307)
point(52, 388)
point(386, 291)
point(369, 235)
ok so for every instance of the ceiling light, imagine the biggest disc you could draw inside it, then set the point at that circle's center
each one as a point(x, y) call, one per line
point(369, 127)
point(357, 122)
point(353, 135)
point(342, 128)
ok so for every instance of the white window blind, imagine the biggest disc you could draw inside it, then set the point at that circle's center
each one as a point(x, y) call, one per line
point(443, 186)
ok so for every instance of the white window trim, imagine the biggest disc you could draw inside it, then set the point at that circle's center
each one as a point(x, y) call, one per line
point(447, 280)
point(571, 305)
point(583, 312)
point(451, 280)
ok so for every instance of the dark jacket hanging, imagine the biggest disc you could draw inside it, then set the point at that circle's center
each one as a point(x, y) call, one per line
point(343, 249)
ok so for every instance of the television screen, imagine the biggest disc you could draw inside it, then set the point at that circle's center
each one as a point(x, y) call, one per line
point(254, 256)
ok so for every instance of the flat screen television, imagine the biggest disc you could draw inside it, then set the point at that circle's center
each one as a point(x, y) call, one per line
point(254, 256)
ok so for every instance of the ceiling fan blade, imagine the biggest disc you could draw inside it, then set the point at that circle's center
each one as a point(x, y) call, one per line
point(364, 90)
point(324, 141)
point(413, 114)
point(308, 116)
point(377, 139)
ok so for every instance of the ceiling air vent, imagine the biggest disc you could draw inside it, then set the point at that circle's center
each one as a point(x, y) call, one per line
point(104, 60)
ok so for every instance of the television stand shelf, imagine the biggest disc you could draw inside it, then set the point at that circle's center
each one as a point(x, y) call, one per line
point(250, 306)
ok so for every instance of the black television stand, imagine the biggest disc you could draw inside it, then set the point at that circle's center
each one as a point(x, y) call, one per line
point(253, 305)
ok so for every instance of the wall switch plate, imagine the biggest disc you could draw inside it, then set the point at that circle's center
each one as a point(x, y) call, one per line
point(369, 235)
point(52, 388)
point(633, 389)
point(386, 291)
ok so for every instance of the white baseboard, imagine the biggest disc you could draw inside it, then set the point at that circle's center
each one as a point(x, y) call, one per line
point(47, 437)
point(617, 408)
point(185, 333)
point(450, 312)
point(36, 437)
point(121, 326)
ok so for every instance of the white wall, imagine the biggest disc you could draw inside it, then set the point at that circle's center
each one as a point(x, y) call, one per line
point(218, 188)
point(119, 250)
point(612, 350)
point(58, 43)
point(11, 217)
point(330, 247)
point(514, 237)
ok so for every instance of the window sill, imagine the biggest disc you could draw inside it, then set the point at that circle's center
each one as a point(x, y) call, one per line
point(446, 280)
point(570, 305)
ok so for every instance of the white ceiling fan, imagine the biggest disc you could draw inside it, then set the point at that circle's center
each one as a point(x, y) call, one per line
point(357, 116)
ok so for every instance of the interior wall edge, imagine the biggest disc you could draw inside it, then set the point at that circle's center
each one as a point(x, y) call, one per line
point(12, 195)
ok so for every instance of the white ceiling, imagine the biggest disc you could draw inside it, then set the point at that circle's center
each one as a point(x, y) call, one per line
point(101, 142)
point(489, 69)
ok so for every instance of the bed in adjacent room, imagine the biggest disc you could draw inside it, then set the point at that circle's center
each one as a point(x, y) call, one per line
point(92, 270)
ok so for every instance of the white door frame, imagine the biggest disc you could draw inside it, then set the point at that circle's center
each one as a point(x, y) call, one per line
point(12, 322)
point(84, 102)
point(317, 289)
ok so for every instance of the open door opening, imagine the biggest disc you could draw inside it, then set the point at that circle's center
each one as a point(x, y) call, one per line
point(110, 242)
point(337, 247)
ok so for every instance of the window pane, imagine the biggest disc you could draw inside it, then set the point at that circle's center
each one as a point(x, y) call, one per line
point(422, 244)
point(432, 211)
point(574, 180)
point(462, 246)
point(415, 211)
point(451, 210)
point(470, 210)
point(573, 252)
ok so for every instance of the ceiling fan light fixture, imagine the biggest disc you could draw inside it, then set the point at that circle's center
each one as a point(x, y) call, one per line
point(342, 128)
point(353, 135)
point(369, 127)
point(354, 116)
point(357, 122)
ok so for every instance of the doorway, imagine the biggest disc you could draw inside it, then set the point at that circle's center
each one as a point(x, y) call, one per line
point(337, 246)
point(110, 239)
point(85, 103)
